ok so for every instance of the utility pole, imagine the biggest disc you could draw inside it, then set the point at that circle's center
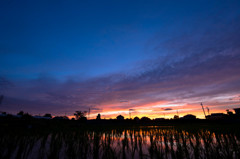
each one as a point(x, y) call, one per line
point(203, 110)
point(207, 110)
point(89, 113)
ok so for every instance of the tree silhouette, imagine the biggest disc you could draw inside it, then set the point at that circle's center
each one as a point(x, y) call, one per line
point(136, 118)
point(80, 115)
point(48, 115)
point(20, 113)
point(176, 117)
point(99, 117)
point(120, 117)
point(27, 116)
point(24, 115)
point(145, 118)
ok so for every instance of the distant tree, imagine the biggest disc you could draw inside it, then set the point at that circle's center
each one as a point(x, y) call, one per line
point(189, 117)
point(24, 115)
point(136, 118)
point(176, 117)
point(66, 117)
point(145, 119)
point(120, 117)
point(229, 112)
point(20, 113)
point(80, 115)
point(48, 115)
point(27, 116)
point(98, 117)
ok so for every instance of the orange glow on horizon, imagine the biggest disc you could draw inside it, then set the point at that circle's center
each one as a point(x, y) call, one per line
point(161, 109)
point(165, 109)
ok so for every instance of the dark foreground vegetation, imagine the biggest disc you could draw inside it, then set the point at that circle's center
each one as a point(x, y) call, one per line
point(118, 139)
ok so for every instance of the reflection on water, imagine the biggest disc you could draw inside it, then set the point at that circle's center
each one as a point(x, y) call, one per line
point(142, 142)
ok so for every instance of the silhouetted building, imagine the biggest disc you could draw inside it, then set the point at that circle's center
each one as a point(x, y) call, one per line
point(217, 116)
point(3, 115)
point(61, 118)
point(189, 117)
point(120, 117)
point(237, 111)
point(16, 116)
point(159, 119)
point(42, 117)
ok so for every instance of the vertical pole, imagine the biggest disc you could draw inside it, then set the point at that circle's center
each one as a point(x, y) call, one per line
point(89, 113)
point(203, 110)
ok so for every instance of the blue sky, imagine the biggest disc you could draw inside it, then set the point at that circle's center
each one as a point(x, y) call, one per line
point(135, 45)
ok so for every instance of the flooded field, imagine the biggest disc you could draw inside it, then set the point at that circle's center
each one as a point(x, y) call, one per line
point(138, 142)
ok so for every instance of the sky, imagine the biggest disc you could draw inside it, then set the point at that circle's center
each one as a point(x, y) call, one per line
point(152, 58)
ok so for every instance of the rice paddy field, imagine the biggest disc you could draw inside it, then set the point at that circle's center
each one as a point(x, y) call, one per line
point(123, 142)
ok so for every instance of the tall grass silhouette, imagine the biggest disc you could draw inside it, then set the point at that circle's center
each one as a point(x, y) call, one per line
point(135, 142)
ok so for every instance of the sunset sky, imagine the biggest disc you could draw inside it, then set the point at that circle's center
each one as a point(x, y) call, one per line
point(151, 57)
